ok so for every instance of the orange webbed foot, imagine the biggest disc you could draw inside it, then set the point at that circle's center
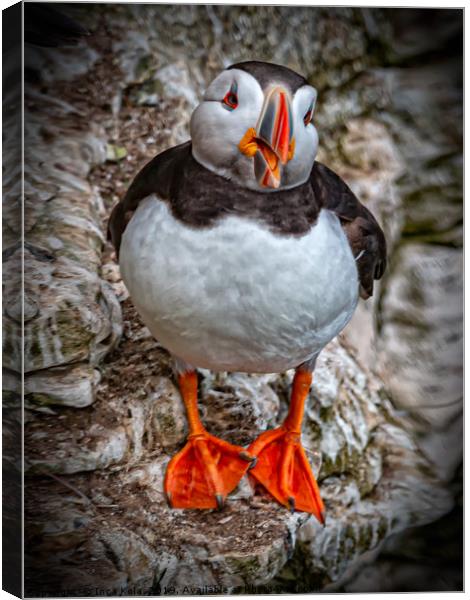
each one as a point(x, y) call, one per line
point(204, 472)
point(283, 469)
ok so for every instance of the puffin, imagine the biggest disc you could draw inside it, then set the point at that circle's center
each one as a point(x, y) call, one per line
point(243, 253)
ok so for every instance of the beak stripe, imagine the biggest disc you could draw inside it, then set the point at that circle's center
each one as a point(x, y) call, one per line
point(267, 124)
point(282, 131)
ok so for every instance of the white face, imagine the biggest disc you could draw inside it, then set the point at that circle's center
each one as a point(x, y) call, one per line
point(262, 140)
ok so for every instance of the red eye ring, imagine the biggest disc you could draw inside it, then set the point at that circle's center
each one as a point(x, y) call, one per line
point(230, 100)
point(308, 116)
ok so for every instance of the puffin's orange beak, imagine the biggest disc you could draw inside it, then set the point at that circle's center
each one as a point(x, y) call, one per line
point(272, 142)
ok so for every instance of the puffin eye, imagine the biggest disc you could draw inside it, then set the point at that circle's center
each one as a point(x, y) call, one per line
point(230, 101)
point(308, 115)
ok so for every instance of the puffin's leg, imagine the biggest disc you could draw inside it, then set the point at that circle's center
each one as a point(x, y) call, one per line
point(207, 468)
point(282, 466)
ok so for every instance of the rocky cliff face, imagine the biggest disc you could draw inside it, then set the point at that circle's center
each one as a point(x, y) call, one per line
point(103, 414)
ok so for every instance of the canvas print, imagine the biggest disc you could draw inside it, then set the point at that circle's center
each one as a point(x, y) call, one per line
point(232, 281)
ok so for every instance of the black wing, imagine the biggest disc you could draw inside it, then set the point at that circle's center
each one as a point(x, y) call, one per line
point(157, 177)
point(365, 236)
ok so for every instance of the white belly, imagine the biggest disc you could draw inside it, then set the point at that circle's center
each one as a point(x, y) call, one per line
point(236, 296)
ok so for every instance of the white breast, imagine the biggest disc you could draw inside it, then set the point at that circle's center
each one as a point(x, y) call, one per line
point(236, 296)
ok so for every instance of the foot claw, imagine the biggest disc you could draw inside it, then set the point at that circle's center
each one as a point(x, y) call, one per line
point(220, 501)
point(254, 460)
point(168, 500)
point(245, 456)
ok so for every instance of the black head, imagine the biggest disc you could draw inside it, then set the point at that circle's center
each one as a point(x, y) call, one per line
point(265, 73)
